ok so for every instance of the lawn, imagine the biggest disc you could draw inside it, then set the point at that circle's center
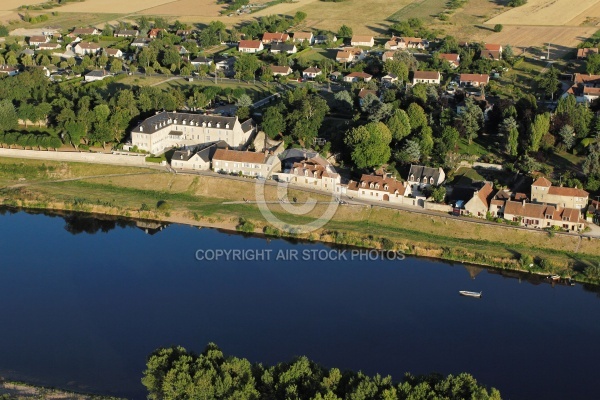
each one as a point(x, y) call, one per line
point(314, 55)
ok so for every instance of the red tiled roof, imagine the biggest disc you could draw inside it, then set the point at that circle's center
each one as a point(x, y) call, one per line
point(249, 44)
point(276, 36)
point(567, 191)
point(426, 75)
point(481, 78)
point(450, 57)
point(362, 75)
point(361, 39)
point(492, 47)
point(485, 194)
point(541, 181)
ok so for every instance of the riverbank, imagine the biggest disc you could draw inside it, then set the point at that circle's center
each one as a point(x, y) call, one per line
point(23, 391)
point(208, 201)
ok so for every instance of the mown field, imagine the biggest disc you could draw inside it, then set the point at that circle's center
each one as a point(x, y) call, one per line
point(545, 12)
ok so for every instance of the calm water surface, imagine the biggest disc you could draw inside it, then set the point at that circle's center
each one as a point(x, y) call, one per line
point(83, 311)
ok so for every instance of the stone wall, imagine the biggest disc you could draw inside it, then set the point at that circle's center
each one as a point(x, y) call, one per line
point(72, 156)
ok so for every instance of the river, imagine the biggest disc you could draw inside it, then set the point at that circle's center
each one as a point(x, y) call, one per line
point(84, 302)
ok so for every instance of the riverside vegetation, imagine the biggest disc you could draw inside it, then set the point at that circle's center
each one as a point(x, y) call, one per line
point(215, 201)
point(174, 373)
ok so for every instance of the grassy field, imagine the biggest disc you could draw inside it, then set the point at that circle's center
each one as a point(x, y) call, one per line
point(208, 200)
point(424, 9)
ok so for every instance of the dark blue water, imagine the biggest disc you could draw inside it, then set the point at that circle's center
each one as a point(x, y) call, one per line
point(83, 312)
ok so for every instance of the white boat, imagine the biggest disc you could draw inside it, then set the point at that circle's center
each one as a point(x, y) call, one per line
point(554, 277)
point(470, 294)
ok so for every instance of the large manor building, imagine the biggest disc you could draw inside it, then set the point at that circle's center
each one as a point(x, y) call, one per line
point(172, 129)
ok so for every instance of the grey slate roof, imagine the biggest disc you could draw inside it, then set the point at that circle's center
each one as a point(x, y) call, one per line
point(420, 172)
point(152, 124)
point(283, 47)
point(248, 125)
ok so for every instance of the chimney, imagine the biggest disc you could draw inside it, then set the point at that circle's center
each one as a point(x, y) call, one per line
point(523, 202)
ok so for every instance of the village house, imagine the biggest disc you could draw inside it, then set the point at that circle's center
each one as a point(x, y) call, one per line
point(540, 215)
point(35, 41)
point(196, 158)
point(491, 52)
point(542, 191)
point(378, 187)
point(363, 93)
point(141, 42)
point(97, 75)
point(280, 70)
point(431, 77)
point(8, 70)
point(155, 33)
point(116, 53)
point(225, 64)
point(585, 88)
point(84, 32)
point(183, 33)
point(276, 37)
point(248, 163)
point(171, 129)
point(335, 76)
point(83, 48)
point(387, 55)
point(127, 33)
point(582, 54)
point(311, 73)
point(344, 57)
point(475, 80)
point(357, 77)
point(453, 59)
point(250, 46)
point(48, 46)
point(365, 41)
point(315, 172)
point(403, 43)
point(357, 52)
point(420, 176)
point(304, 36)
point(479, 204)
point(321, 39)
point(283, 48)
point(389, 79)
point(198, 61)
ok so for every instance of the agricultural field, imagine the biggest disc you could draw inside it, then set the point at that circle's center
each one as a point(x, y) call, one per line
point(363, 16)
point(562, 38)
point(546, 12)
point(424, 9)
point(7, 5)
point(202, 8)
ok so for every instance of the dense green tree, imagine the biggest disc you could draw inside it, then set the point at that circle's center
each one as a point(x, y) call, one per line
point(416, 116)
point(410, 152)
point(369, 144)
point(396, 67)
point(510, 129)
point(592, 65)
point(8, 116)
point(591, 165)
point(399, 125)
point(246, 66)
point(273, 122)
point(344, 31)
point(567, 134)
point(549, 82)
point(538, 128)
point(471, 119)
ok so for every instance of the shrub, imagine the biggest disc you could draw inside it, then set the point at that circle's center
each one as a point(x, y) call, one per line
point(144, 207)
point(162, 205)
point(498, 28)
point(245, 226)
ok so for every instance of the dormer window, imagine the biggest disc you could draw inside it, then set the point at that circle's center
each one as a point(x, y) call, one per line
point(314, 174)
point(170, 120)
point(175, 121)
point(227, 126)
point(386, 187)
point(425, 180)
point(412, 177)
point(218, 124)
point(203, 124)
point(377, 186)
point(209, 124)
point(431, 181)
point(364, 184)
point(548, 216)
point(371, 185)
point(141, 129)
point(305, 173)
point(185, 121)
